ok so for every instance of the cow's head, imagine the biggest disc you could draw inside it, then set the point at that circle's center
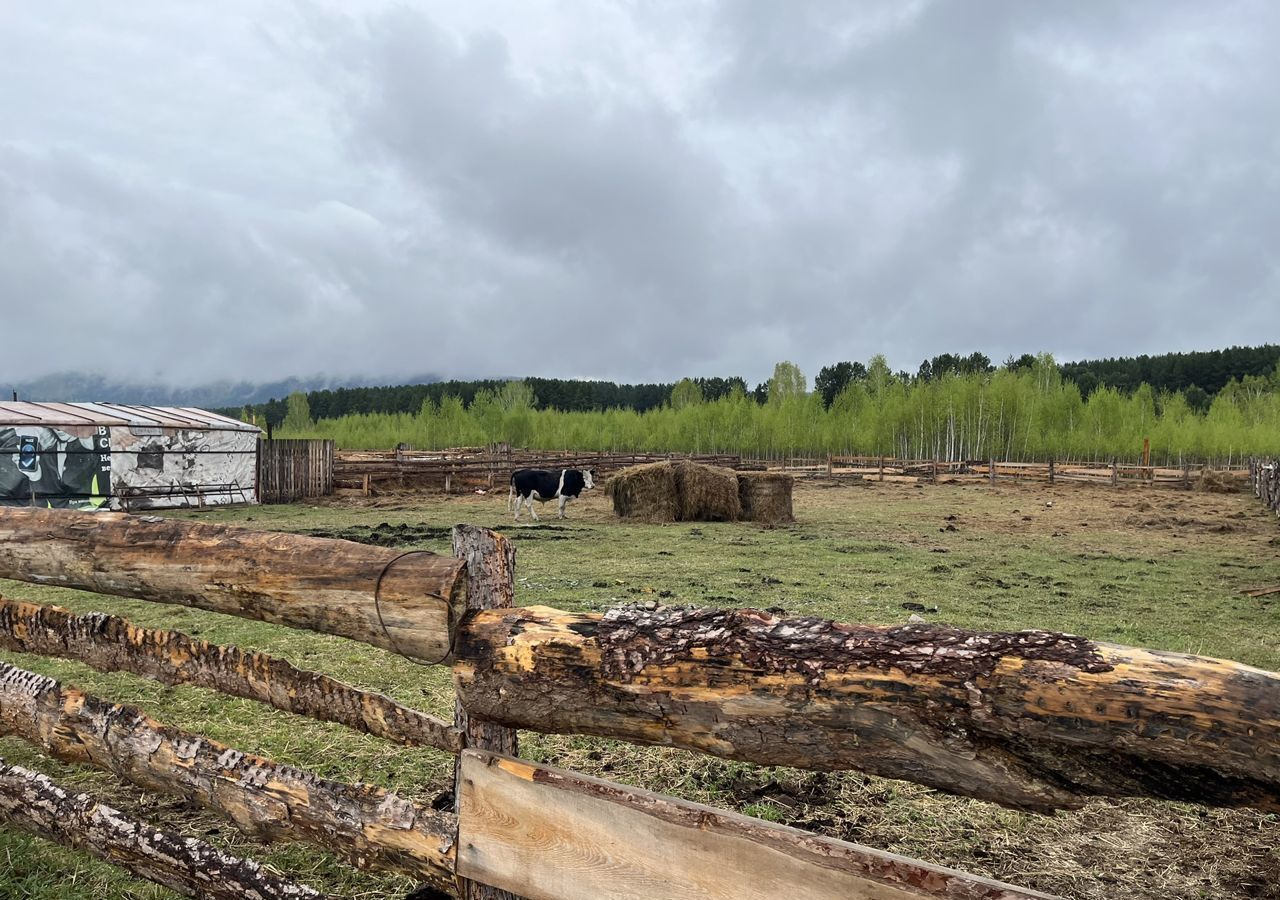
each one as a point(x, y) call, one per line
point(587, 482)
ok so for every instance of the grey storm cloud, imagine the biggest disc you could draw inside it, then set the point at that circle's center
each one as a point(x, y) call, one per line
point(644, 192)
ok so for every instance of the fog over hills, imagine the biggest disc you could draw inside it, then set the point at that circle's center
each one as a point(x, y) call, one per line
point(86, 387)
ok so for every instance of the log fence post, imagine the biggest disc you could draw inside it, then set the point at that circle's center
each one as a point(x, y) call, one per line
point(1115, 472)
point(491, 584)
point(991, 470)
point(1051, 470)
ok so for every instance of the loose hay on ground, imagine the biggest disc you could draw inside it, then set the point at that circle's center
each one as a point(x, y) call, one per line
point(766, 497)
point(1214, 482)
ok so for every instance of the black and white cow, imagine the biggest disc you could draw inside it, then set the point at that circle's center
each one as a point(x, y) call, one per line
point(528, 485)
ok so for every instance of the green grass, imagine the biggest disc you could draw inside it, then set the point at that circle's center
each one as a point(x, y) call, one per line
point(1102, 563)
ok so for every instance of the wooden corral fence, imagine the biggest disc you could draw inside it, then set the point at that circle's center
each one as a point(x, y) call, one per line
point(884, 468)
point(1032, 720)
point(451, 470)
point(292, 469)
point(1264, 475)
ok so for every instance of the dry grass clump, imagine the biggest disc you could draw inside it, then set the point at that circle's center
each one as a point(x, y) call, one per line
point(1212, 481)
point(678, 491)
point(766, 497)
point(706, 493)
point(646, 492)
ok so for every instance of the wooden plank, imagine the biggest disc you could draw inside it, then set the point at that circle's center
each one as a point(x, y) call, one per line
point(111, 644)
point(549, 834)
point(397, 601)
point(365, 825)
point(33, 802)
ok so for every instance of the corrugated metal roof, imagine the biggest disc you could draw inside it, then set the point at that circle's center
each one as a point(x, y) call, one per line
point(61, 415)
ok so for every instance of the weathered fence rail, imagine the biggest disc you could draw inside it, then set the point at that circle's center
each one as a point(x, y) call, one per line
point(1264, 476)
point(33, 802)
point(1033, 720)
point(884, 468)
point(448, 471)
point(291, 470)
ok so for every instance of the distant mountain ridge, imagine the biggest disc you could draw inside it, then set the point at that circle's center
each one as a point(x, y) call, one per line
point(65, 387)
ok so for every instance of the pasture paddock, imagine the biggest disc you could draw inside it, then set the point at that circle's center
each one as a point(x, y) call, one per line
point(1150, 568)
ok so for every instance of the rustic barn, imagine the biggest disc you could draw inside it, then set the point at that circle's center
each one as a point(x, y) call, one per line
point(109, 455)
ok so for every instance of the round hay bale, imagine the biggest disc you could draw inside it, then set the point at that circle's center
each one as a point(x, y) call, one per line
point(766, 497)
point(645, 492)
point(706, 493)
point(1213, 481)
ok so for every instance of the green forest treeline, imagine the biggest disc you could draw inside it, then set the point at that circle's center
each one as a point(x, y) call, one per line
point(952, 408)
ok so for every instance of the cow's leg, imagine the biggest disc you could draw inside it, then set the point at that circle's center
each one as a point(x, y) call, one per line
point(533, 495)
point(563, 501)
point(519, 500)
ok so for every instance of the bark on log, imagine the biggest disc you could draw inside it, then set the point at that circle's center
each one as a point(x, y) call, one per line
point(34, 803)
point(491, 584)
point(1032, 720)
point(111, 644)
point(305, 582)
point(365, 825)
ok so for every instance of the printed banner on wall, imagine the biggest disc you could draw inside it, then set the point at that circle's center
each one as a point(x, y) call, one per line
point(49, 467)
point(162, 467)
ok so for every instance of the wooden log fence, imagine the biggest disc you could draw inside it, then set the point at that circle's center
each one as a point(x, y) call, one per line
point(1033, 720)
point(33, 802)
point(367, 470)
point(111, 644)
point(1111, 472)
point(365, 825)
point(1264, 476)
point(397, 601)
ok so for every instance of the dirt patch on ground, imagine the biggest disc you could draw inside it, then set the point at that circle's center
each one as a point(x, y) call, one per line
point(1190, 524)
point(385, 534)
point(408, 535)
point(1042, 508)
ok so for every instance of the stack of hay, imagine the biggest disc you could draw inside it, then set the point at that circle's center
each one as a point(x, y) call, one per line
point(766, 497)
point(683, 491)
point(645, 492)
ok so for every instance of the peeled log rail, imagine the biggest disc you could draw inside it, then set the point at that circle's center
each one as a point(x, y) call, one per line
point(111, 644)
point(304, 582)
point(1033, 720)
point(34, 803)
point(365, 825)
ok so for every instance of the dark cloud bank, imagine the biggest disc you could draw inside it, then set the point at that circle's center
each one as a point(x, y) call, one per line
point(190, 195)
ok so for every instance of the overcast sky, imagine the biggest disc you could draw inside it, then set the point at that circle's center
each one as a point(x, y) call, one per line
point(632, 190)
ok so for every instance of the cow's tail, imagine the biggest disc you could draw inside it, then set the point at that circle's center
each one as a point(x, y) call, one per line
point(511, 495)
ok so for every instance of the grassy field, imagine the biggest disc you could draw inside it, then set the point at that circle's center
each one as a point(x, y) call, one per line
point(1154, 568)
